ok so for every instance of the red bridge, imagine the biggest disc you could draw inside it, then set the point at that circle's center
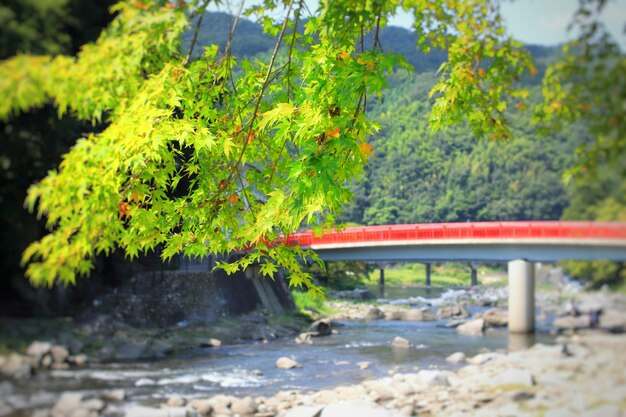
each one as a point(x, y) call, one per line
point(518, 243)
point(485, 241)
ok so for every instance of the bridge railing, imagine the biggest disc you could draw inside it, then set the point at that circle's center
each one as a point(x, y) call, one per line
point(482, 230)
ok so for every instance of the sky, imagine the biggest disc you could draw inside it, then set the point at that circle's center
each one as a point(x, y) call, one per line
point(542, 22)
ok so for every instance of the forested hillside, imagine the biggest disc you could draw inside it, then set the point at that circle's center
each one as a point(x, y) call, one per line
point(416, 176)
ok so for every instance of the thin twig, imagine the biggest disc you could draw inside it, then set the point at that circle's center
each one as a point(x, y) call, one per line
point(195, 33)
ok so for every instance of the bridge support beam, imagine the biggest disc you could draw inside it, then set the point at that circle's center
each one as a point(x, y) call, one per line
point(474, 268)
point(521, 296)
point(381, 282)
point(427, 265)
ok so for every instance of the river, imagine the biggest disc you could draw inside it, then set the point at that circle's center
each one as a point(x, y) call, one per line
point(248, 369)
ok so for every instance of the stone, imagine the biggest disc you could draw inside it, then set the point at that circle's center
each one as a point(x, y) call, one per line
point(139, 411)
point(514, 377)
point(38, 349)
point(303, 411)
point(379, 390)
point(114, 395)
point(93, 404)
point(243, 406)
point(211, 343)
point(287, 363)
point(175, 401)
point(67, 403)
point(452, 312)
point(394, 315)
point(78, 360)
point(364, 365)
point(304, 339)
point(400, 342)
point(346, 409)
point(604, 411)
point(496, 317)
point(572, 322)
point(59, 353)
point(46, 361)
point(456, 357)
point(415, 314)
point(374, 313)
point(472, 327)
point(432, 378)
point(454, 323)
point(17, 366)
point(321, 327)
point(483, 358)
point(201, 406)
point(613, 320)
point(41, 413)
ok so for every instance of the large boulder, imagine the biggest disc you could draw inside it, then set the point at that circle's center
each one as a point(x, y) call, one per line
point(414, 314)
point(374, 313)
point(37, 350)
point(17, 366)
point(572, 322)
point(243, 406)
point(472, 327)
point(400, 342)
point(432, 378)
point(287, 363)
point(496, 317)
point(323, 327)
point(613, 320)
point(456, 312)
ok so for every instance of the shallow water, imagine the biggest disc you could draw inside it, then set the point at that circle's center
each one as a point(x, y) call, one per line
point(249, 368)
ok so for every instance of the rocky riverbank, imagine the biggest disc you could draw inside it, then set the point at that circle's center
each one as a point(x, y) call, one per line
point(582, 374)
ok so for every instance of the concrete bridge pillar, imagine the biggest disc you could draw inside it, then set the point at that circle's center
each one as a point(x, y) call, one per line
point(474, 268)
point(381, 282)
point(427, 265)
point(521, 296)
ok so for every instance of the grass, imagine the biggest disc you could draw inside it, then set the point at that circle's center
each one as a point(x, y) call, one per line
point(305, 303)
point(445, 275)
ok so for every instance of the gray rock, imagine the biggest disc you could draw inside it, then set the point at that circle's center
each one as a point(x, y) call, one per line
point(452, 312)
point(129, 352)
point(67, 403)
point(496, 317)
point(605, 411)
point(472, 327)
point(394, 315)
point(344, 410)
point(613, 320)
point(454, 323)
point(419, 315)
point(286, 363)
point(17, 366)
point(93, 404)
point(175, 401)
point(211, 343)
point(514, 377)
point(304, 338)
point(321, 327)
point(38, 349)
point(243, 406)
point(41, 413)
point(374, 313)
point(59, 353)
point(400, 342)
point(46, 361)
point(201, 406)
point(432, 378)
point(114, 395)
point(364, 365)
point(456, 357)
point(572, 322)
point(303, 411)
point(139, 411)
point(78, 360)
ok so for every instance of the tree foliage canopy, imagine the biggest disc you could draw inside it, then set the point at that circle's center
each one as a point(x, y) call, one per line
point(220, 153)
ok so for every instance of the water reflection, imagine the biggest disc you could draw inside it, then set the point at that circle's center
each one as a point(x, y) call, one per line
point(521, 341)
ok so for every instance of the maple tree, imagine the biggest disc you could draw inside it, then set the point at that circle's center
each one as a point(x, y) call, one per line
point(218, 153)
